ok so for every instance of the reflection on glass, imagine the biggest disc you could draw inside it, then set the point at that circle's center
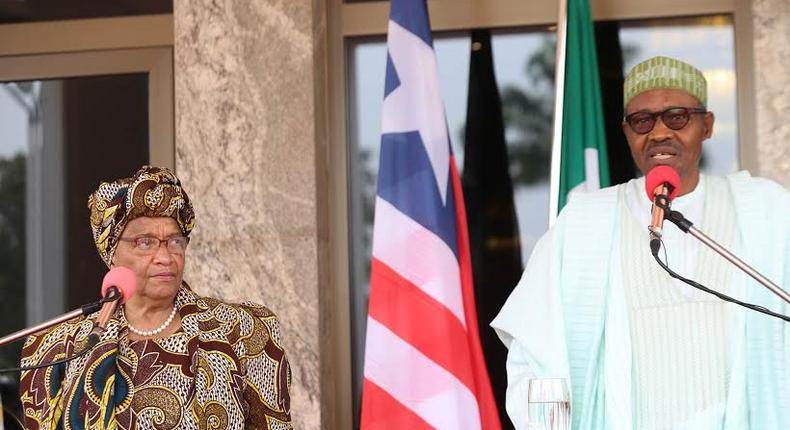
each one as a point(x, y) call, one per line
point(524, 64)
point(17, 112)
point(17, 120)
point(59, 139)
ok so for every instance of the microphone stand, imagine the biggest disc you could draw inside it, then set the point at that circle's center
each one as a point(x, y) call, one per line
point(83, 311)
point(687, 226)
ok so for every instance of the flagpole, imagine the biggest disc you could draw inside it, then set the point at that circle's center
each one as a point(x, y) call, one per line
point(559, 98)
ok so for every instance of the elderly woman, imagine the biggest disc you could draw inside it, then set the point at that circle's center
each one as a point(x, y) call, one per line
point(169, 358)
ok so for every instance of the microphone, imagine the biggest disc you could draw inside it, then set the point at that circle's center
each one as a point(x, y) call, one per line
point(118, 286)
point(662, 185)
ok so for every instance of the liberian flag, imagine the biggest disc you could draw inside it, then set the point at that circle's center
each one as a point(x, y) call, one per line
point(424, 367)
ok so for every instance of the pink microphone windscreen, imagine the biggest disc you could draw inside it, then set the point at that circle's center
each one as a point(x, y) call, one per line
point(660, 175)
point(123, 278)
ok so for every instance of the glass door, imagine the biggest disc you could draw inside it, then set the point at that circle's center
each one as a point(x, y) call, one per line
point(67, 122)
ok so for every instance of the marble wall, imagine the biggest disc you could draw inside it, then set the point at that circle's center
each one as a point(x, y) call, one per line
point(771, 22)
point(249, 79)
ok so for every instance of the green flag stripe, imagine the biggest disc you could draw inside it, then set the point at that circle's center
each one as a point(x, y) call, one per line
point(582, 125)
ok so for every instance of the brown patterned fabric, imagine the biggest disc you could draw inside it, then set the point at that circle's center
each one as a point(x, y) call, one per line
point(151, 192)
point(225, 369)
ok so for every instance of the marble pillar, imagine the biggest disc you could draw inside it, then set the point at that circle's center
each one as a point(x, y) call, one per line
point(771, 23)
point(250, 148)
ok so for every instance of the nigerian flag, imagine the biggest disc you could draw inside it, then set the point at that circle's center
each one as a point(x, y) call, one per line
point(584, 164)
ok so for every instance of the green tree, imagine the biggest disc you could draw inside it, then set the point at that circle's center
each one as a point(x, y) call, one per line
point(529, 114)
point(528, 117)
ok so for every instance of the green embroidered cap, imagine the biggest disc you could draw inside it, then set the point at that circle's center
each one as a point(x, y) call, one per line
point(665, 73)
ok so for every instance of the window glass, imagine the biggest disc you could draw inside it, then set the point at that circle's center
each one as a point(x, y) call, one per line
point(523, 63)
point(60, 139)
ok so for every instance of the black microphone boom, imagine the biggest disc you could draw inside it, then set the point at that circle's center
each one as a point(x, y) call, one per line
point(83, 311)
point(117, 286)
point(110, 300)
point(687, 226)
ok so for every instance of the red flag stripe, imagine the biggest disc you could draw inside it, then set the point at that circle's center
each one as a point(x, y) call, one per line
point(417, 382)
point(436, 333)
point(383, 411)
point(418, 255)
point(489, 415)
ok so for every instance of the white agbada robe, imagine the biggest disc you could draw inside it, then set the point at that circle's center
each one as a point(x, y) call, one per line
point(538, 322)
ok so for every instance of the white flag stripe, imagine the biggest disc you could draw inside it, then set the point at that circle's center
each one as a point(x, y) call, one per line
point(417, 103)
point(421, 385)
point(419, 256)
point(591, 175)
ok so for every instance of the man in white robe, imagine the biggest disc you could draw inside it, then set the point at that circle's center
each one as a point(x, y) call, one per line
point(639, 349)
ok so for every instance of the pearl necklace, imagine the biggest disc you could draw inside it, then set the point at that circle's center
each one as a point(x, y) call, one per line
point(154, 332)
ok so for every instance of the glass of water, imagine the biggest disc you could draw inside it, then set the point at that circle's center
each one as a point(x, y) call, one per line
point(2, 418)
point(549, 404)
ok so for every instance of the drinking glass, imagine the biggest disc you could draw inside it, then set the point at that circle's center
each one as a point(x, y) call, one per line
point(2, 426)
point(549, 404)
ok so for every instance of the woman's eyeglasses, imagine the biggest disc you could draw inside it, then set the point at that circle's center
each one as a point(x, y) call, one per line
point(674, 118)
point(150, 245)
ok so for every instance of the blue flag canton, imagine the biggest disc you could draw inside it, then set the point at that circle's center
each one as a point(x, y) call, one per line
point(391, 80)
point(407, 181)
point(413, 16)
point(406, 178)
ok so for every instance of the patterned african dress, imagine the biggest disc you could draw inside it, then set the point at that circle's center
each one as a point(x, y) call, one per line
point(225, 369)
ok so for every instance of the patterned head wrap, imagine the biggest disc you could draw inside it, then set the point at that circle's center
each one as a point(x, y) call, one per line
point(151, 192)
point(665, 73)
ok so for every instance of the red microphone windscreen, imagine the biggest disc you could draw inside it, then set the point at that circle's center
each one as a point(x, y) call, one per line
point(122, 278)
point(660, 175)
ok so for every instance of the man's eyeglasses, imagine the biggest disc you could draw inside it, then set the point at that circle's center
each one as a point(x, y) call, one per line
point(150, 245)
point(674, 118)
